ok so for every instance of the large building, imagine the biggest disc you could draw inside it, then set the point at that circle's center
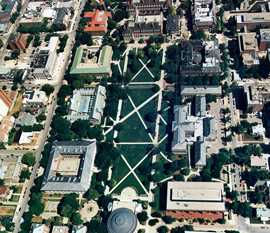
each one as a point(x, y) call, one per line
point(97, 22)
point(192, 90)
point(203, 14)
point(247, 43)
point(44, 65)
point(192, 200)
point(34, 97)
point(17, 40)
point(70, 167)
point(6, 125)
point(257, 94)
point(264, 39)
point(62, 17)
point(39, 228)
point(149, 6)
point(11, 7)
point(173, 24)
point(87, 104)
point(143, 26)
point(200, 57)
point(122, 220)
point(25, 119)
point(98, 67)
point(10, 168)
point(5, 103)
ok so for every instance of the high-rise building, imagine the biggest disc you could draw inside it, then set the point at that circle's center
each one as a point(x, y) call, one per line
point(17, 41)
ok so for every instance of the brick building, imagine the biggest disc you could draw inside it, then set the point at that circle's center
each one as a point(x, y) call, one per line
point(17, 40)
point(11, 7)
point(4, 192)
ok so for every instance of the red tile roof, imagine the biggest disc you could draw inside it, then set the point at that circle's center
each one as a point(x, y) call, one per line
point(98, 20)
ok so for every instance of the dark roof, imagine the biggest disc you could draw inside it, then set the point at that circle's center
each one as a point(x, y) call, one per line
point(41, 61)
point(141, 28)
point(200, 153)
point(122, 220)
point(133, 4)
point(30, 93)
point(9, 8)
point(60, 15)
point(200, 105)
point(15, 37)
point(173, 22)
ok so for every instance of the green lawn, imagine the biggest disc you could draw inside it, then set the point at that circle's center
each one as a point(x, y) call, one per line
point(140, 93)
point(133, 131)
point(130, 181)
point(126, 108)
point(145, 58)
point(109, 136)
point(162, 130)
point(160, 172)
point(165, 113)
point(163, 146)
point(120, 169)
point(147, 162)
point(15, 198)
point(156, 69)
point(133, 153)
point(254, 220)
point(143, 76)
point(122, 63)
point(151, 106)
point(19, 189)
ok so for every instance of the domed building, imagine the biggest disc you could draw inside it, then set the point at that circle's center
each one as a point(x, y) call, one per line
point(122, 220)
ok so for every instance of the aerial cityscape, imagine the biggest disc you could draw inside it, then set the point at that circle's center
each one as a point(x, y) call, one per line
point(135, 116)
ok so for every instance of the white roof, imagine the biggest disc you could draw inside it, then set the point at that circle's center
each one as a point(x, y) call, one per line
point(24, 139)
point(257, 161)
point(53, 43)
point(262, 212)
point(49, 12)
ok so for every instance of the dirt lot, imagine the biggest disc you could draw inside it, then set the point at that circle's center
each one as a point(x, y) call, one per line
point(7, 210)
point(17, 105)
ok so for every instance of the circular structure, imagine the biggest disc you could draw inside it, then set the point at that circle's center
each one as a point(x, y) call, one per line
point(129, 193)
point(89, 210)
point(122, 220)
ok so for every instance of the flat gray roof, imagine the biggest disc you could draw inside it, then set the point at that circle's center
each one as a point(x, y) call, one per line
point(200, 89)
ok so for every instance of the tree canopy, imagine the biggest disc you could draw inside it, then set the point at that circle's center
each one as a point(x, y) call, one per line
point(29, 159)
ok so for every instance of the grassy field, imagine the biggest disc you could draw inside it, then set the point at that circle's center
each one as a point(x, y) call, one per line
point(151, 106)
point(133, 153)
point(19, 189)
point(109, 136)
point(126, 108)
point(156, 69)
point(147, 162)
point(140, 93)
point(143, 76)
point(120, 169)
point(37, 219)
point(17, 105)
point(164, 146)
point(130, 181)
point(7, 210)
point(133, 131)
point(162, 130)
point(15, 198)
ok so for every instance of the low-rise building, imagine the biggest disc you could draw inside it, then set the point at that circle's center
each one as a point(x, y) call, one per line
point(200, 154)
point(209, 128)
point(5, 103)
point(192, 90)
point(70, 167)
point(25, 119)
point(192, 200)
point(251, 59)
point(256, 161)
point(79, 229)
point(62, 229)
point(31, 20)
point(258, 130)
point(263, 213)
point(26, 138)
point(35, 7)
point(6, 125)
point(62, 17)
point(49, 13)
point(98, 67)
point(97, 22)
point(17, 40)
point(200, 57)
point(11, 7)
point(10, 168)
point(200, 105)
point(264, 186)
point(34, 97)
point(71, 5)
point(173, 24)
point(203, 14)
point(87, 104)
point(39, 228)
point(264, 39)
point(247, 43)
point(44, 65)
point(4, 193)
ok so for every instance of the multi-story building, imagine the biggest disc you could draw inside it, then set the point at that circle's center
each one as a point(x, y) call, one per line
point(11, 7)
point(192, 90)
point(61, 229)
point(30, 20)
point(34, 97)
point(149, 6)
point(4, 193)
point(247, 42)
point(143, 26)
point(97, 22)
point(39, 228)
point(200, 57)
point(173, 24)
point(62, 17)
point(7, 124)
point(17, 40)
point(71, 5)
point(10, 168)
point(98, 67)
point(87, 104)
point(203, 14)
point(5, 103)
point(70, 167)
point(193, 200)
point(264, 44)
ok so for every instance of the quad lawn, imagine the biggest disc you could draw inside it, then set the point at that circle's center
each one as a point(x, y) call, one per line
point(133, 130)
point(140, 93)
point(120, 169)
point(156, 69)
point(130, 181)
point(127, 107)
point(109, 136)
point(133, 153)
point(143, 76)
point(146, 162)
point(163, 146)
point(162, 130)
point(151, 106)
